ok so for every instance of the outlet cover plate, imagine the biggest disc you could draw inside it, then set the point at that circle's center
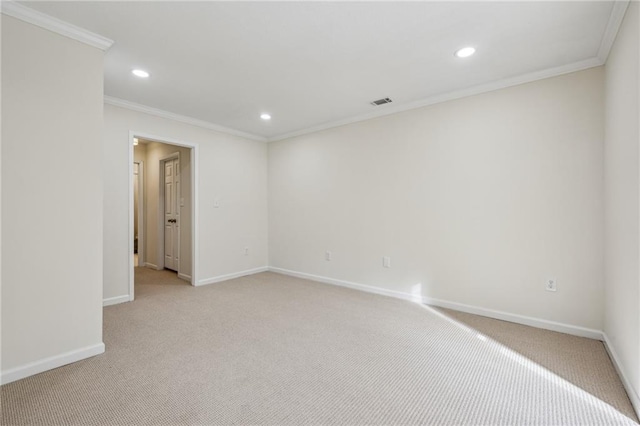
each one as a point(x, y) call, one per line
point(551, 285)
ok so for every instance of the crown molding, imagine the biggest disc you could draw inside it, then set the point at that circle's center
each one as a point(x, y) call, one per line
point(432, 100)
point(19, 11)
point(388, 109)
point(610, 33)
point(181, 118)
point(26, 14)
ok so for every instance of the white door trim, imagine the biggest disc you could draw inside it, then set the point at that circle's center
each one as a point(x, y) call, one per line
point(194, 202)
point(161, 212)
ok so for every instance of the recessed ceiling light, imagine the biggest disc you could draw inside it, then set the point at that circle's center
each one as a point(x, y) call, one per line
point(140, 73)
point(265, 116)
point(465, 52)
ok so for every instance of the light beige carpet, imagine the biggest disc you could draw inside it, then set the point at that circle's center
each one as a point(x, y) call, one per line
point(583, 362)
point(271, 349)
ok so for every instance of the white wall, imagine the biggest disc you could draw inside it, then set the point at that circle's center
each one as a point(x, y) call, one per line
point(476, 201)
point(231, 169)
point(622, 198)
point(0, 210)
point(51, 199)
point(140, 152)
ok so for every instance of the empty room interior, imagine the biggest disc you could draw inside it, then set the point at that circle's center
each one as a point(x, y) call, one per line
point(320, 213)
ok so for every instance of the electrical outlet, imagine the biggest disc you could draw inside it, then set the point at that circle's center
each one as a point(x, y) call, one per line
point(246, 251)
point(386, 261)
point(551, 285)
point(327, 255)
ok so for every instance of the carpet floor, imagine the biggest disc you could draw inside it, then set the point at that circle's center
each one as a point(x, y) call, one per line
point(272, 349)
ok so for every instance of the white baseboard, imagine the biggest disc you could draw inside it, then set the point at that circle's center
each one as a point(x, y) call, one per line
point(226, 277)
point(115, 300)
point(184, 277)
point(151, 266)
point(50, 363)
point(505, 316)
point(348, 284)
point(615, 359)
point(574, 330)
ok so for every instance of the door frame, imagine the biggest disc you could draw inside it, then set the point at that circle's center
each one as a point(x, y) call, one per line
point(194, 202)
point(141, 213)
point(161, 210)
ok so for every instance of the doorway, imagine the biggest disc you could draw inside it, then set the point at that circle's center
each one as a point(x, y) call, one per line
point(163, 207)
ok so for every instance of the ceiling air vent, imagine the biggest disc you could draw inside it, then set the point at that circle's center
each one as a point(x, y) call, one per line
point(381, 101)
